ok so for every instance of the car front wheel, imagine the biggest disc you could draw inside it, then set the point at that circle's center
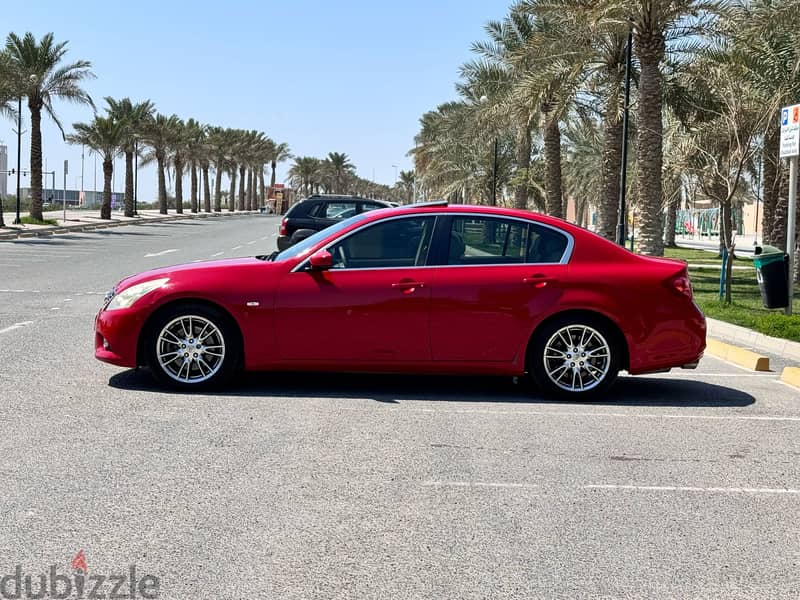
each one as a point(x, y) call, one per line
point(574, 358)
point(191, 347)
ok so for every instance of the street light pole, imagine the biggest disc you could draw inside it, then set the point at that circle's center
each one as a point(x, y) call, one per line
point(494, 175)
point(623, 179)
point(136, 178)
point(18, 221)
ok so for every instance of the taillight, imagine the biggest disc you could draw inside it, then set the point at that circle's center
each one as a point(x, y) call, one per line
point(681, 284)
point(283, 226)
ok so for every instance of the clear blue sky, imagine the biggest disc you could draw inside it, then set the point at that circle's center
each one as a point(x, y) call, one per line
point(349, 76)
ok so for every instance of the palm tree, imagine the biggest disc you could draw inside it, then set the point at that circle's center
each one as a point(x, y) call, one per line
point(407, 183)
point(590, 50)
point(194, 150)
point(178, 146)
point(9, 85)
point(278, 154)
point(43, 78)
point(341, 167)
point(658, 27)
point(132, 116)
point(303, 173)
point(106, 136)
point(219, 144)
point(158, 132)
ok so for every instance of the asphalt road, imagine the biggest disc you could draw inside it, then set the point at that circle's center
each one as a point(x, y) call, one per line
point(682, 485)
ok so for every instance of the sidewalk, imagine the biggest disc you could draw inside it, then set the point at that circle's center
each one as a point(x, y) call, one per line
point(88, 220)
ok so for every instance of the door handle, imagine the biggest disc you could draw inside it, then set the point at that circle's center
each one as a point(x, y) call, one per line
point(538, 280)
point(408, 286)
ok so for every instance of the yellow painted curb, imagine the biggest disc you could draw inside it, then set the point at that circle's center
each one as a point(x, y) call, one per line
point(738, 356)
point(791, 375)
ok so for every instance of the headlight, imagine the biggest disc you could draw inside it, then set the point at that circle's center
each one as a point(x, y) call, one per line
point(127, 297)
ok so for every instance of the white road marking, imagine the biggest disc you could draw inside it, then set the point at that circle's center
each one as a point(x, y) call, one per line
point(683, 375)
point(162, 253)
point(274, 235)
point(16, 326)
point(593, 415)
point(676, 488)
point(235, 247)
point(251, 243)
point(266, 237)
point(56, 308)
point(13, 291)
point(217, 254)
point(67, 299)
point(483, 484)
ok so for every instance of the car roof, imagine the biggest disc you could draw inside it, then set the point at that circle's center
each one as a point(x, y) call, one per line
point(500, 211)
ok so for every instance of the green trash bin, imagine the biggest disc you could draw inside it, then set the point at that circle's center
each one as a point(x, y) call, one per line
point(772, 273)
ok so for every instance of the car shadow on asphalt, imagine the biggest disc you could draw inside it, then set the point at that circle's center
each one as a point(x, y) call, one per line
point(393, 389)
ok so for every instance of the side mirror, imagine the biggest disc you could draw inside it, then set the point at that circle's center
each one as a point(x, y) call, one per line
point(321, 260)
point(300, 235)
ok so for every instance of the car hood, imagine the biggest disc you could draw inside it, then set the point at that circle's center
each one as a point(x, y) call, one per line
point(189, 270)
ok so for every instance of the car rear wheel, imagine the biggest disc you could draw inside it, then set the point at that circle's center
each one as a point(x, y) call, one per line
point(574, 357)
point(192, 347)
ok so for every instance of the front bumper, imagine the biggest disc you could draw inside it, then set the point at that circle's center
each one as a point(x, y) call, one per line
point(116, 336)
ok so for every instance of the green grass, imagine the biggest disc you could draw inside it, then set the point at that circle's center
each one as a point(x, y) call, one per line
point(746, 308)
point(32, 221)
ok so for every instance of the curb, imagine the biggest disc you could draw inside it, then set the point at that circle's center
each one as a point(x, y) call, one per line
point(748, 338)
point(791, 376)
point(739, 356)
point(106, 225)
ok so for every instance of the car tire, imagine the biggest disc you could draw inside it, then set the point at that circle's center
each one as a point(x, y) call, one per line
point(192, 347)
point(586, 368)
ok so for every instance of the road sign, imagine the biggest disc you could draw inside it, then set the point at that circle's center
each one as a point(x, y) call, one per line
point(790, 148)
point(790, 131)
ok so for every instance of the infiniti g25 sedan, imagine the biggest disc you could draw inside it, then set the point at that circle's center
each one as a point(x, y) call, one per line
point(427, 288)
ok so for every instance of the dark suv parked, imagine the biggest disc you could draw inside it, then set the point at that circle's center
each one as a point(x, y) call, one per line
point(320, 211)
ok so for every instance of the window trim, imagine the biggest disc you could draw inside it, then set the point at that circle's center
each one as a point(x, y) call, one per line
point(439, 221)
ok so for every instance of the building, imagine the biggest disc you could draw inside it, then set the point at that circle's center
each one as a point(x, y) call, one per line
point(91, 199)
point(3, 169)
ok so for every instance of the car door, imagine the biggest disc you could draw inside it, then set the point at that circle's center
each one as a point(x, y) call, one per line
point(371, 307)
point(497, 273)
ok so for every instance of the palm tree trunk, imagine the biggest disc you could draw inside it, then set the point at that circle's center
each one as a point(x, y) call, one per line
point(273, 165)
point(523, 164)
point(218, 190)
point(608, 213)
point(251, 190)
point(36, 162)
point(232, 192)
point(778, 229)
point(242, 184)
point(162, 184)
point(552, 157)
point(771, 178)
point(129, 183)
point(179, 186)
point(672, 214)
point(206, 189)
point(193, 200)
point(649, 156)
point(108, 173)
point(262, 188)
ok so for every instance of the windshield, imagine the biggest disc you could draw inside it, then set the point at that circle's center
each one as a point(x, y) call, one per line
point(302, 247)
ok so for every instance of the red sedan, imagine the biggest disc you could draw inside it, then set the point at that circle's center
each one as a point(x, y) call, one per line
point(419, 289)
